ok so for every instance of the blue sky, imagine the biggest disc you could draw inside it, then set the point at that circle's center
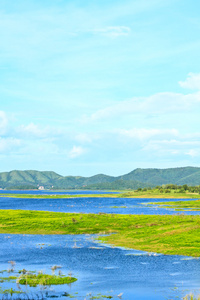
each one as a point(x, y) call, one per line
point(91, 87)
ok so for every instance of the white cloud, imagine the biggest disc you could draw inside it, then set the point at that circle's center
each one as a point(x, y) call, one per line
point(33, 130)
point(192, 81)
point(192, 153)
point(76, 151)
point(160, 103)
point(144, 133)
point(172, 147)
point(156, 104)
point(85, 138)
point(9, 144)
point(3, 122)
point(113, 31)
point(172, 143)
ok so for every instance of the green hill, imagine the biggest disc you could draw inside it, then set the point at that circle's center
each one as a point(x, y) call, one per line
point(185, 175)
point(31, 179)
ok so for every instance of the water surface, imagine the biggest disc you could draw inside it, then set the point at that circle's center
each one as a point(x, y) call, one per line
point(99, 268)
point(91, 205)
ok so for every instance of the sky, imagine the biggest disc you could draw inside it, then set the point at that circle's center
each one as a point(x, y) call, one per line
point(95, 86)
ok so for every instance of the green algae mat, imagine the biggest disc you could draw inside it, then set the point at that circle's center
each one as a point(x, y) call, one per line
point(167, 234)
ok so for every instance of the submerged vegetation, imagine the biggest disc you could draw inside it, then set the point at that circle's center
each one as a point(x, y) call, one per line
point(167, 234)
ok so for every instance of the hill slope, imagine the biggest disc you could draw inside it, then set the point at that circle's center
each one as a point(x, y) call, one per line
point(133, 180)
point(185, 175)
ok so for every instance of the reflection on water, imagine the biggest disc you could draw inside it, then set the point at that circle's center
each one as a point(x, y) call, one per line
point(99, 268)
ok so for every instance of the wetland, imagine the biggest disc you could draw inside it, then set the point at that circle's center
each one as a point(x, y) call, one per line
point(114, 246)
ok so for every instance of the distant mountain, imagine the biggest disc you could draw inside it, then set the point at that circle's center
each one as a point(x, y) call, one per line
point(31, 179)
point(179, 176)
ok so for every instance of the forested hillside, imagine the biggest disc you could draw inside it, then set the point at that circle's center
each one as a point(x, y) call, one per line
point(31, 179)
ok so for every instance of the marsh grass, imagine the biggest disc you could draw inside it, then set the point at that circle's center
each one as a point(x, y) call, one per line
point(156, 193)
point(44, 279)
point(11, 294)
point(167, 234)
point(10, 278)
point(191, 297)
point(191, 205)
point(10, 291)
point(60, 196)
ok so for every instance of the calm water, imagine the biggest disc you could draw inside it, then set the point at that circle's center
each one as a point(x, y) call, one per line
point(99, 268)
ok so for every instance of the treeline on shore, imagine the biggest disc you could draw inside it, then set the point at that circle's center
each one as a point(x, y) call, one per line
point(168, 188)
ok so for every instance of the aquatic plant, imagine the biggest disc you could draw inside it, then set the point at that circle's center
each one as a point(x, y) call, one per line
point(44, 279)
point(54, 268)
point(10, 291)
point(191, 205)
point(10, 278)
point(191, 297)
point(13, 263)
point(18, 295)
point(23, 271)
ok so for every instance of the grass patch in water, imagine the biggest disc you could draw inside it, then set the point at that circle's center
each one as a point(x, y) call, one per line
point(191, 205)
point(167, 234)
point(10, 291)
point(10, 278)
point(191, 297)
point(61, 196)
point(157, 194)
point(44, 279)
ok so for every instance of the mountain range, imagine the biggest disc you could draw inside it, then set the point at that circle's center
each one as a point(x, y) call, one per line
point(138, 178)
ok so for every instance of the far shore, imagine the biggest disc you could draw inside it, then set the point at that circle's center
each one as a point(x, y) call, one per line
point(150, 194)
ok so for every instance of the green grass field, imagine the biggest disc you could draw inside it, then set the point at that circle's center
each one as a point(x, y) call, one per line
point(154, 193)
point(177, 234)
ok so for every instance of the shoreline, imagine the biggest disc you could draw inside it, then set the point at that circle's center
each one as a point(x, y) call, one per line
point(133, 195)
